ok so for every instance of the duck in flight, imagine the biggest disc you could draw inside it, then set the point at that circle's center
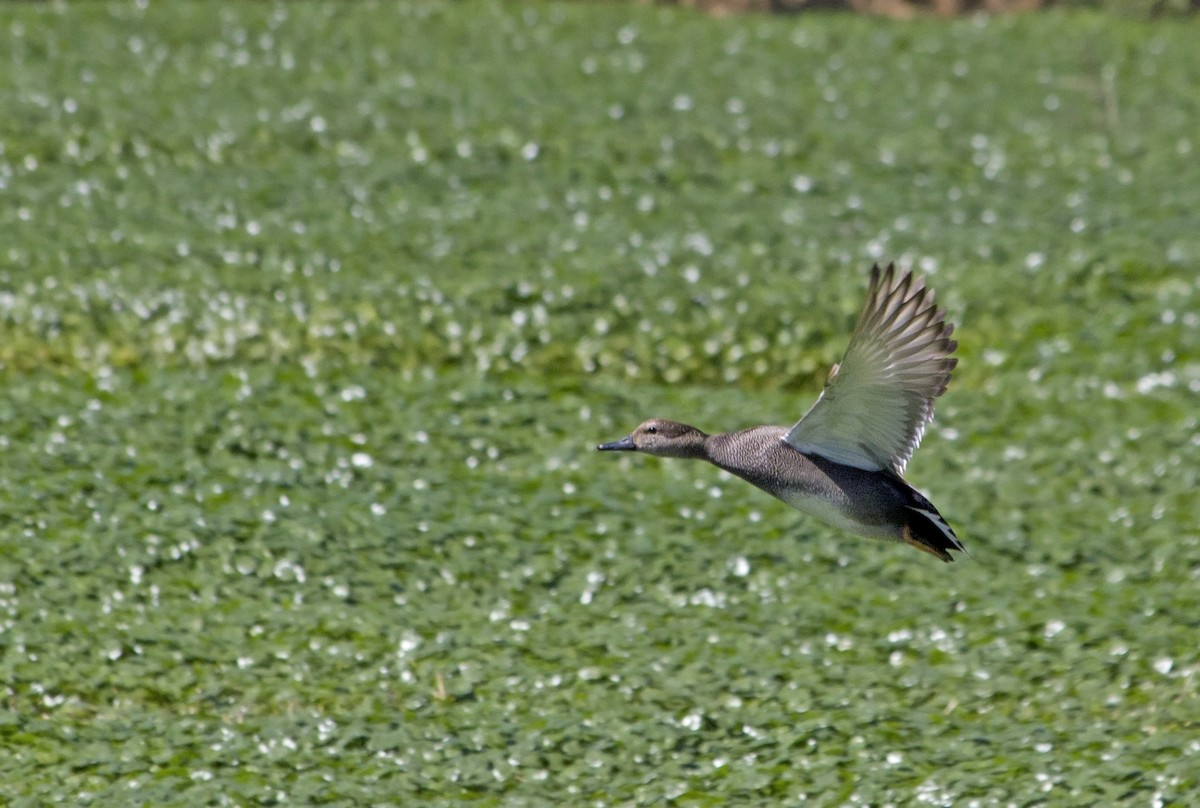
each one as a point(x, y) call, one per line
point(843, 461)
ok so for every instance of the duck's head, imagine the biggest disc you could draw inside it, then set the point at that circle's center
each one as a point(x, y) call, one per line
point(662, 438)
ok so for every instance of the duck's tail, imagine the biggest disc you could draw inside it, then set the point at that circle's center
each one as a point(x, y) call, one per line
point(926, 530)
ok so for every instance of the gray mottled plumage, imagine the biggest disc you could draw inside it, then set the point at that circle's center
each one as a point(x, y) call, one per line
point(843, 461)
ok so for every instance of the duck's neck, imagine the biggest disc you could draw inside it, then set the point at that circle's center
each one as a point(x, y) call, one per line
point(698, 448)
point(692, 446)
point(689, 443)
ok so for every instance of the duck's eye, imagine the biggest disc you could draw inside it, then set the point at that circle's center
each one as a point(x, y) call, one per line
point(651, 430)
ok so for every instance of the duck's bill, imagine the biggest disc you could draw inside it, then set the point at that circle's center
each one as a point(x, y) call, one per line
point(625, 444)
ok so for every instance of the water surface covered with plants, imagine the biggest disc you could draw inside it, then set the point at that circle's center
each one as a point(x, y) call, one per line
point(311, 316)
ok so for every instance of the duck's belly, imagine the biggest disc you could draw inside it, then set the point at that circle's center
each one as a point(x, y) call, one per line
point(840, 515)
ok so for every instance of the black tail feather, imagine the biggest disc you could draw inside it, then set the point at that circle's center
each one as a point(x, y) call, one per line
point(927, 530)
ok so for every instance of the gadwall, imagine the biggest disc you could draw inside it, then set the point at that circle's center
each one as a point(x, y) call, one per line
point(843, 461)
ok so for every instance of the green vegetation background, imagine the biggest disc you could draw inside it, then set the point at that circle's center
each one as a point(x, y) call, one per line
point(311, 314)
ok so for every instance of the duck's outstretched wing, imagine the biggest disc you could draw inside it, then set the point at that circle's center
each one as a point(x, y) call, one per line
point(878, 401)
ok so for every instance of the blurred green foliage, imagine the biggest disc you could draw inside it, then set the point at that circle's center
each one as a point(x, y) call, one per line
point(310, 316)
